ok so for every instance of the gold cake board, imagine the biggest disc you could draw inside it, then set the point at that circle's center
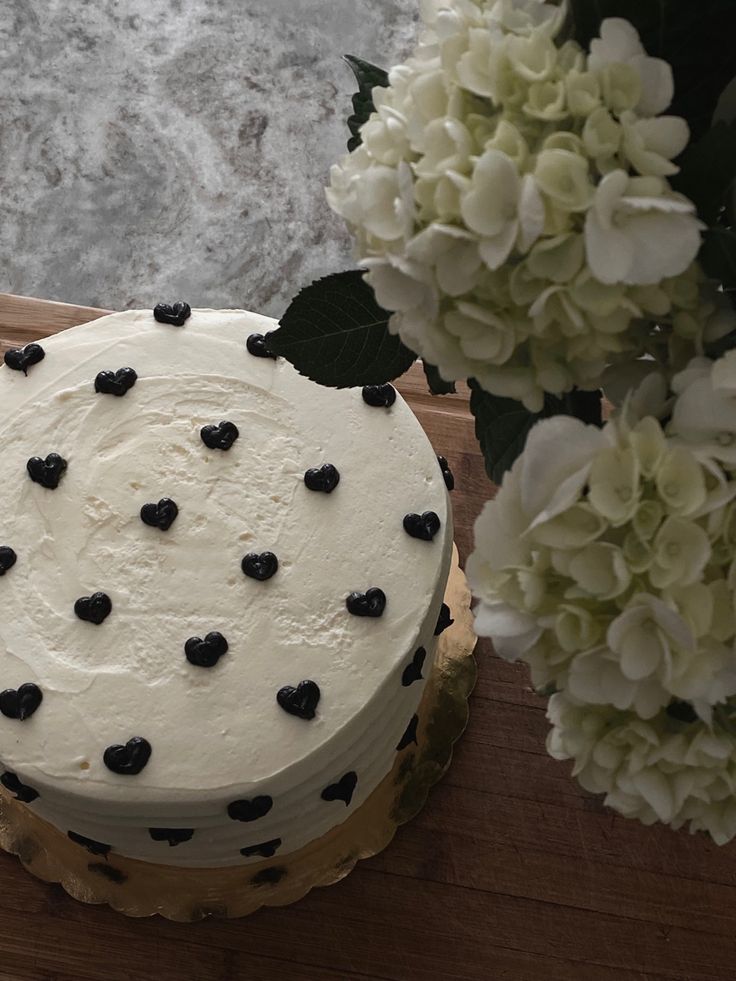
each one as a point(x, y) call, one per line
point(144, 889)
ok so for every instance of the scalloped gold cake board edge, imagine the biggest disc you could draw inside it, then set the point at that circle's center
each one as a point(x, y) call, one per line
point(143, 889)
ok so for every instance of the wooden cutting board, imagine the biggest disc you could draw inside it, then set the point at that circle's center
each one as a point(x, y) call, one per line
point(511, 873)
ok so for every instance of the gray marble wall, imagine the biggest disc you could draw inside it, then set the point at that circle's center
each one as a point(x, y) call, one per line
point(153, 149)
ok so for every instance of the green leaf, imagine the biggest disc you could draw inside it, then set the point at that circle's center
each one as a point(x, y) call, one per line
point(502, 425)
point(335, 333)
point(708, 170)
point(718, 256)
point(367, 76)
point(694, 36)
point(437, 384)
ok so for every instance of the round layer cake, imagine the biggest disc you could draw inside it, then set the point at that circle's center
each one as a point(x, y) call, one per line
point(220, 588)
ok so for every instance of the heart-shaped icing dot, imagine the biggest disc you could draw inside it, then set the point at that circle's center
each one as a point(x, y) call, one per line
point(301, 701)
point(324, 478)
point(206, 653)
point(115, 382)
point(267, 849)
point(260, 565)
point(128, 759)
point(94, 608)
point(250, 810)
point(343, 789)
point(23, 358)
point(371, 603)
point(257, 345)
point(444, 620)
point(410, 736)
point(219, 437)
point(174, 836)
point(379, 396)
point(446, 473)
point(269, 877)
point(172, 313)
point(108, 872)
point(8, 558)
point(424, 526)
point(95, 847)
point(161, 515)
point(22, 791)
point(20, 703)
point(413, 670)
point(47, 472)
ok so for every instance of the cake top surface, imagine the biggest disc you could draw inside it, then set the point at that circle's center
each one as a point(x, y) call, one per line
point(201, 641)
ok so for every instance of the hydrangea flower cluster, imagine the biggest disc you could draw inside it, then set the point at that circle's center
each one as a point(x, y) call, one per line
point(608, 562)
point(511, 202)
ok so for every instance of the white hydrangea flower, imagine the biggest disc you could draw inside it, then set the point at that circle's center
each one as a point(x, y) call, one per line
point(606, 562)
point(659, 769)
point(505, 172)
point(628, 216)
point(619, 44)
point(704, 414)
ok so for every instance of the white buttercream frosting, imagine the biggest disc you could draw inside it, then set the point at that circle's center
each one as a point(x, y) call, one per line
point(217, 734)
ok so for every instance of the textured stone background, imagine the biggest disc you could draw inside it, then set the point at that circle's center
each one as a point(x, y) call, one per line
point(154, 149)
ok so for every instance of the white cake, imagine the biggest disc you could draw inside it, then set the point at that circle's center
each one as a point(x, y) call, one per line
point(221, 771)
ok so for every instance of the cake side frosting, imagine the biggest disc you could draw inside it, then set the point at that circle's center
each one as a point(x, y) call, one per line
point(232, 718)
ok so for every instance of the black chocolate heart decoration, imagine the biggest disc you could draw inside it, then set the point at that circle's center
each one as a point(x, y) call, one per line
point(161, 515)
point(267, 849)
point(93, 609)
point(257, 345)
point(424, 526)
point(8, 558)
point(343, 789)
point(260, 565)
point(410, 736)
point(95, 847)
point(444, 620)
point(301, 701)
point(128, 759)
point(269, 876)
point(21, 790)
point(221, 436)
point(250, 810)
point(371, 603)
point(446, 473)
point(115, 382)
point(174, 836)
point(172, 313)
point(206, 653)
point(22, 702)
point(47, 472)
point(413, 670)
point(379, 396)
point(22, 358)
point(324, 478)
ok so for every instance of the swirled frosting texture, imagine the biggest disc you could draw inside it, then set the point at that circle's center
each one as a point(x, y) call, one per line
point(217, 734)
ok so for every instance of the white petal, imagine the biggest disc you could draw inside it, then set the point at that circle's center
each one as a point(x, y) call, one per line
point(657, 85)
point(619, 41)
point(531, 213)
point(394, 289)
point(666, 135)
point(661, 246)
point(487, 206)
point(656, 791)
point(606, 250)
point(512, 631)
point(556, 462)
point(495, 251)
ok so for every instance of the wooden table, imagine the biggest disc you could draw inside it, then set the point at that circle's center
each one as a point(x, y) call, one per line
point(511, 873)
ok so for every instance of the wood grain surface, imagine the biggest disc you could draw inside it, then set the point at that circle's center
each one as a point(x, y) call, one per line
point(511, 872)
